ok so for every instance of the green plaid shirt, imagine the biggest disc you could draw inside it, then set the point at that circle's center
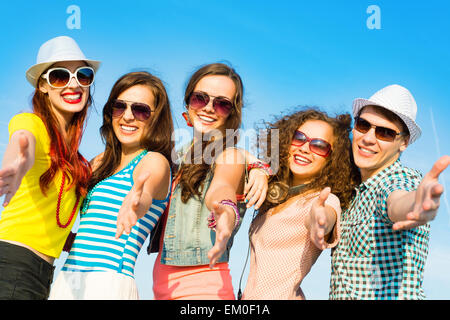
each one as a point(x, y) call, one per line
point(371, 260)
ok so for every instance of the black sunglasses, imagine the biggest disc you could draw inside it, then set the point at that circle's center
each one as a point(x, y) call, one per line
point(141, 111)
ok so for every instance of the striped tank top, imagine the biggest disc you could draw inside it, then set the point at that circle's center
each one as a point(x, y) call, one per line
point(95, 247)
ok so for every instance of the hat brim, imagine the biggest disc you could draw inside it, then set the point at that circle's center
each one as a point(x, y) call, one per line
point(36, 71)
point(414, 130)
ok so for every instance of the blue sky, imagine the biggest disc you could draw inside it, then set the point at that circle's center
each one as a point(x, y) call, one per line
point(288, 53)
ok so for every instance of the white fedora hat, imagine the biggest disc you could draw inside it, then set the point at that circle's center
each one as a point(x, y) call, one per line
point(61, 48)
point(398, 100)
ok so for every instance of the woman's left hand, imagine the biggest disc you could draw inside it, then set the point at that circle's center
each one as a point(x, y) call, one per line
point(255, 189)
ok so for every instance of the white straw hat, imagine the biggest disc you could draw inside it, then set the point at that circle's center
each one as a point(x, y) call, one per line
point(398, 100)
point(54, 50)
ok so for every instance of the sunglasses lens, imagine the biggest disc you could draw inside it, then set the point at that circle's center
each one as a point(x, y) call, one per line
point(198, 100)
point(222, 106)
point(85, 76)
point(362, 125)
point(385, 134)
point(141, 111)
point(118, 108)
point(299, 138)
point(58, 78)
point(320, 147)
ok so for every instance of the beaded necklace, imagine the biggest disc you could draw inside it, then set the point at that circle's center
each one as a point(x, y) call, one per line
point(86, 201)
point(58, 204)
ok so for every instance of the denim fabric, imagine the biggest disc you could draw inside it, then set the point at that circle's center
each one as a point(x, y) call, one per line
point(23, 274)
point(187, 238)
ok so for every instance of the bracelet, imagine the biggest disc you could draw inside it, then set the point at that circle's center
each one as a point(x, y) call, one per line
point(240, 197)
point(235, 208)
point(212, 221)
point(260, 165)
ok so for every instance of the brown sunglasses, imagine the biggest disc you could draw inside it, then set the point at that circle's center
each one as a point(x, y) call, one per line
point(381, 133)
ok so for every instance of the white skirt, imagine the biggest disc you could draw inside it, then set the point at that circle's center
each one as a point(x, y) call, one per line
point(94, 285)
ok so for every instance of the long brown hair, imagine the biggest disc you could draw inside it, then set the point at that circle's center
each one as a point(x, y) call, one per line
point(193, 174)
point(64, 154)
point(158, 136)
point(340, 173)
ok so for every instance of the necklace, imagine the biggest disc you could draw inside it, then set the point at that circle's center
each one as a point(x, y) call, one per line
point(85, 204)
point(58, 204)
point(296, 189)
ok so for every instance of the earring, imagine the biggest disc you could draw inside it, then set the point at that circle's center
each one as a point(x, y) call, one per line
point(186, 118)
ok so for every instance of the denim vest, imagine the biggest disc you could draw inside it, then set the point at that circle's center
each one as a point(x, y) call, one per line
point(187, 238)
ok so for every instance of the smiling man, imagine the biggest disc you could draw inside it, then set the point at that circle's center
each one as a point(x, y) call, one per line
point(385, 231)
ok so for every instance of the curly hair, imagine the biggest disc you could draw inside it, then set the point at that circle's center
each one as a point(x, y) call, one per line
point(193, 173)
point(340, 173)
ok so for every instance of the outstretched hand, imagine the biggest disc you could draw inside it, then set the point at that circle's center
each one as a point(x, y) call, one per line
point(12, 173)
point(318, 219)
point(132, 207)
point(427, 197)
point(225, 220)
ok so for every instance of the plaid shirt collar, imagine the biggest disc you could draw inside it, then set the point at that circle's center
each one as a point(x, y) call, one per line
point(375, 180)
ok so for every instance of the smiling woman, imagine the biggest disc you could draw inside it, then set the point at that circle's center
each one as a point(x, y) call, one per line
point(128, 192)
point(43, 175)
point(308, 156)
point(131, 116)
point(204, 215)
point(67, 87)
point(301, 214)
point(206, 116)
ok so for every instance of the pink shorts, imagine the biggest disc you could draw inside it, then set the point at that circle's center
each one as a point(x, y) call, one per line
point(192, 283)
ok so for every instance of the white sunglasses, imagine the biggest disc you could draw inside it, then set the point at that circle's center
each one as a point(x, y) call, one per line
point(60, 77)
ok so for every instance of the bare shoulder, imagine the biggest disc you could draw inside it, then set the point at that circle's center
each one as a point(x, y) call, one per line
point(95, 162)
point(158, 167)
point(153, 161)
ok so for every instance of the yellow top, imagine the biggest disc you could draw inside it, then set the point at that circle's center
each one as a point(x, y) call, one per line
point(30, 217)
